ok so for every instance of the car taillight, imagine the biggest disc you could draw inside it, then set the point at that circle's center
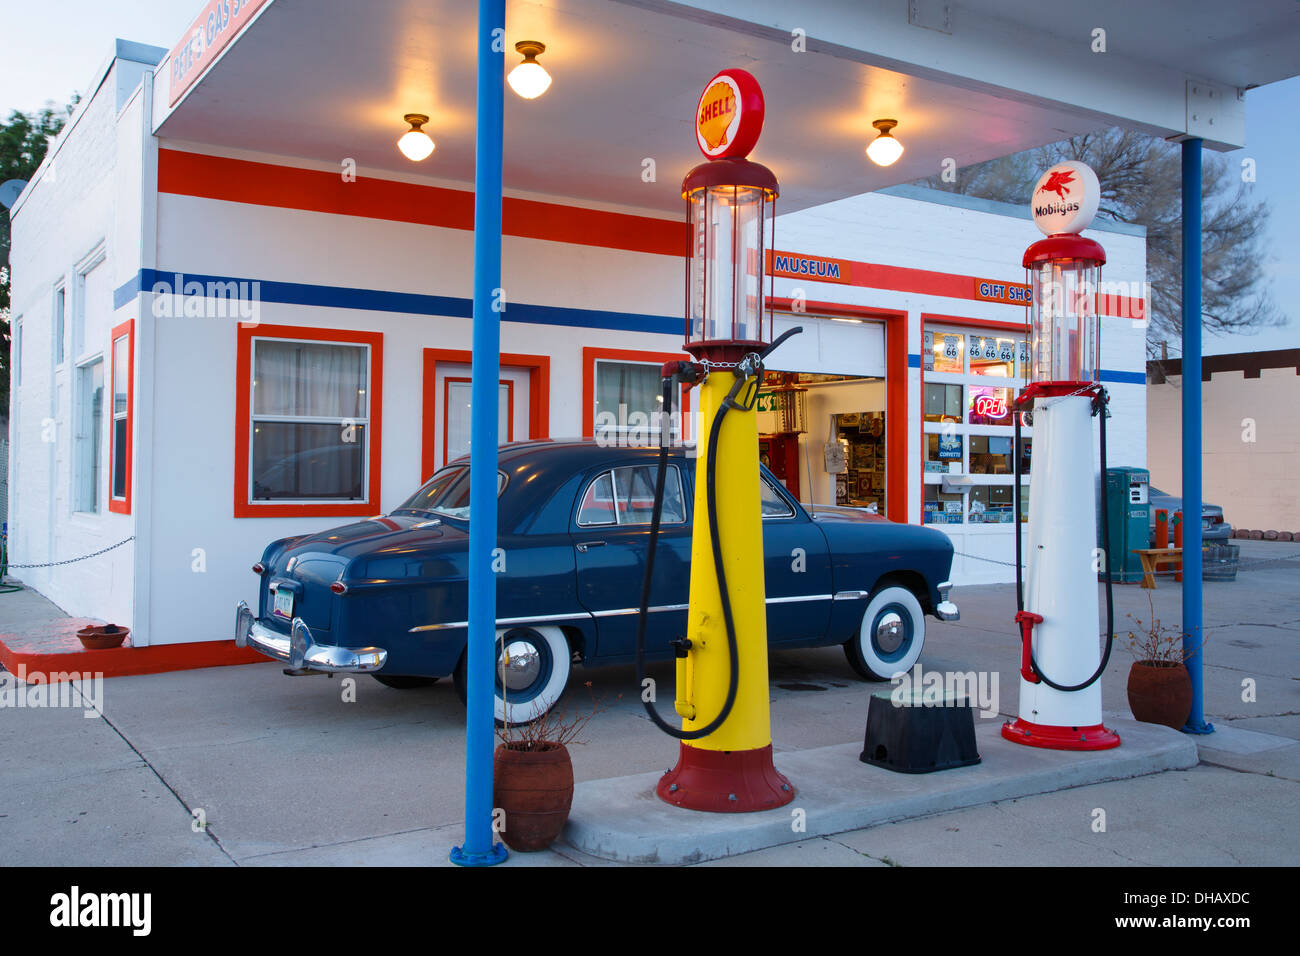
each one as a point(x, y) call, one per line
point(259, 568)
point(338, 587)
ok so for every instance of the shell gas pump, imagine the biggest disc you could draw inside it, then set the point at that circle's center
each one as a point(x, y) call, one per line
point(725, 761)
point(1061, 663)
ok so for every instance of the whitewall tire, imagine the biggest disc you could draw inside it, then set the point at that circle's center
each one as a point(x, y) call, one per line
point(891, 636)
point(532, 670)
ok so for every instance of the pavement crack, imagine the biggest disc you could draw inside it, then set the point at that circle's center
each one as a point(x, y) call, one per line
point(189, 811)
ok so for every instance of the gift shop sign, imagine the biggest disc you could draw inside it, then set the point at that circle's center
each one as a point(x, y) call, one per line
point(1012, 293)
point(203, 42)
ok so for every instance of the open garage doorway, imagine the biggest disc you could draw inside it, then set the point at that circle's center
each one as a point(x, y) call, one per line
point(829, 422)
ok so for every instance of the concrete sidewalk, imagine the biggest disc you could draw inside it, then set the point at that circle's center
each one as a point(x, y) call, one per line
point(241, 765)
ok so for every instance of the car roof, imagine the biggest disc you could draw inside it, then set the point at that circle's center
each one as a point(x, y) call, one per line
point(571, 453)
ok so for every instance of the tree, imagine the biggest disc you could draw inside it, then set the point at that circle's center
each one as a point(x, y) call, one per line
point(1141, 182)
point(24, 138)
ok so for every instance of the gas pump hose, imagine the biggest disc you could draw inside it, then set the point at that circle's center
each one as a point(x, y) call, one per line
point(1099, 408)
point(711, 494)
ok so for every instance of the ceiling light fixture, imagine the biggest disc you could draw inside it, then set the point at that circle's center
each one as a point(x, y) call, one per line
point(529, 79)
point(884, 150)
point(415, 143)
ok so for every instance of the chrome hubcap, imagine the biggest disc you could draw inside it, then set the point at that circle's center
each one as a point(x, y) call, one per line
point(519, 664)
point(890, 632)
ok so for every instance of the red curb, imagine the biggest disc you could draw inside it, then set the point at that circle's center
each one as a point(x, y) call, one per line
point(123, 661)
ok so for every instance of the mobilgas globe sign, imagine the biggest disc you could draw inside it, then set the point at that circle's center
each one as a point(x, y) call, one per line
point(1065, 198)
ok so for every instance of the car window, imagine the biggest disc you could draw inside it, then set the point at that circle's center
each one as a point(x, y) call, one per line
point(626, 496)
point(774, 506)
point(447, 492)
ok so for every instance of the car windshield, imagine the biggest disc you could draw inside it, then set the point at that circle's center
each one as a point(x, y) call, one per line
point(446, 493)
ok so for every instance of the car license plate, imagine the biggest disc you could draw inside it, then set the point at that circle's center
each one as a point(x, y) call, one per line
point(283, 603)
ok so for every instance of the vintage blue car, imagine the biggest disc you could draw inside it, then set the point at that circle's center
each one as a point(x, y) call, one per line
point(388, 596)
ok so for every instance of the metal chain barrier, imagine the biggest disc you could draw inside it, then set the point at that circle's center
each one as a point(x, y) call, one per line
point(84, 557)
point(1244, 564)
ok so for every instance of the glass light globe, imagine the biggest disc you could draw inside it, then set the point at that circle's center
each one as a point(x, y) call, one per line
point(884, 150)
point(529, 79)
point(415, 145)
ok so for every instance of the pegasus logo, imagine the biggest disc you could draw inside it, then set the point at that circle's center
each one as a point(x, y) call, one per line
point(1058, 183)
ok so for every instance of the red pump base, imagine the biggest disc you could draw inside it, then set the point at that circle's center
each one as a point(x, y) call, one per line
point(1096, 737)
point(725, 781)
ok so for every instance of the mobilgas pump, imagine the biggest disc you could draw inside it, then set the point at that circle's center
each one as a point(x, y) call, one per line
point(725, 762)
point(1060, 669)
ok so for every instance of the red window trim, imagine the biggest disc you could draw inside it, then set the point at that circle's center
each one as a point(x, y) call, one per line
point(964, 322)
point(591, 355)
point(539, 399)
point(446, 407)
point(243, 506)
point(897, 474)
point(122, 506)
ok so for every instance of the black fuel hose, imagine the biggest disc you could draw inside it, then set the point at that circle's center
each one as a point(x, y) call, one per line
point(1099, 408)
point(733, 683)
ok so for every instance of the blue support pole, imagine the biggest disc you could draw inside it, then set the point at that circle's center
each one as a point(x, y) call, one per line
point(479, 848)
point(1193, 618)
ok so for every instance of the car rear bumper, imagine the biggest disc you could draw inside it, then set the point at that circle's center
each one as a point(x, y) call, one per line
point(297, 649)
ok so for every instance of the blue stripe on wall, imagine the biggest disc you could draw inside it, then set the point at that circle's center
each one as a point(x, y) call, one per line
point(408, 303)
point(1126, 378)
point(338, 297)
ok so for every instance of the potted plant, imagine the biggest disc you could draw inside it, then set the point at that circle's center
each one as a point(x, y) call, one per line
point(532, 775)
point(101, 637)
point(1159, 687)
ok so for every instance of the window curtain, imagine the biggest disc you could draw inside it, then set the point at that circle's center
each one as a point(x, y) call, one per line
point(308, 460)
point(309, 379)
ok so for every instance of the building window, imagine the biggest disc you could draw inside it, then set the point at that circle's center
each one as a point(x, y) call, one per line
point(309, 422)
point(17, 357)
point(971, 379)
point(629, 399)
point(60, 325)
point(122, 382)
point(90, 429)
point(623, 393)
point(92, 305)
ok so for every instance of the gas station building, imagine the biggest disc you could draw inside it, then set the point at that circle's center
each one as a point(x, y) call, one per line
point(234, 213)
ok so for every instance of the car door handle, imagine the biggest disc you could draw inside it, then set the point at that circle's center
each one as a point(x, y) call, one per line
point(584, 545)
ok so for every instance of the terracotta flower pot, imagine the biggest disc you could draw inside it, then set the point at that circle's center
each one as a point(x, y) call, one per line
point(102, 637)
point(1160, 692)
point(535, 789)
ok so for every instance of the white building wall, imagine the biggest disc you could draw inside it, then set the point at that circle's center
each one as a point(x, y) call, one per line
point(194, 429)
point(74, 213)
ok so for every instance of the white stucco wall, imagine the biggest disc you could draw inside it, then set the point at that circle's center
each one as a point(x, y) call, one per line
point(83, 204)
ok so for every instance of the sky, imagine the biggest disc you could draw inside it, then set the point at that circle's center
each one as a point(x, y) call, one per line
point(50, 50)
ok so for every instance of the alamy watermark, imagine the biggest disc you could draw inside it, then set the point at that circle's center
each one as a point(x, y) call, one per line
point(927, 688)
point(178, 297)
point(639, 429)
point(64, 689)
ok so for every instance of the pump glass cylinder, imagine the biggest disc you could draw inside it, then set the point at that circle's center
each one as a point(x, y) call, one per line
point(725, 273)
point(1064, 339)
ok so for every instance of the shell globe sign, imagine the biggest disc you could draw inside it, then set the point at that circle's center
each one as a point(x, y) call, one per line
point(729, 116)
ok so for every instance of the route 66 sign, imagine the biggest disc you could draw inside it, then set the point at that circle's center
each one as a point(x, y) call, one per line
point(1006, 350)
